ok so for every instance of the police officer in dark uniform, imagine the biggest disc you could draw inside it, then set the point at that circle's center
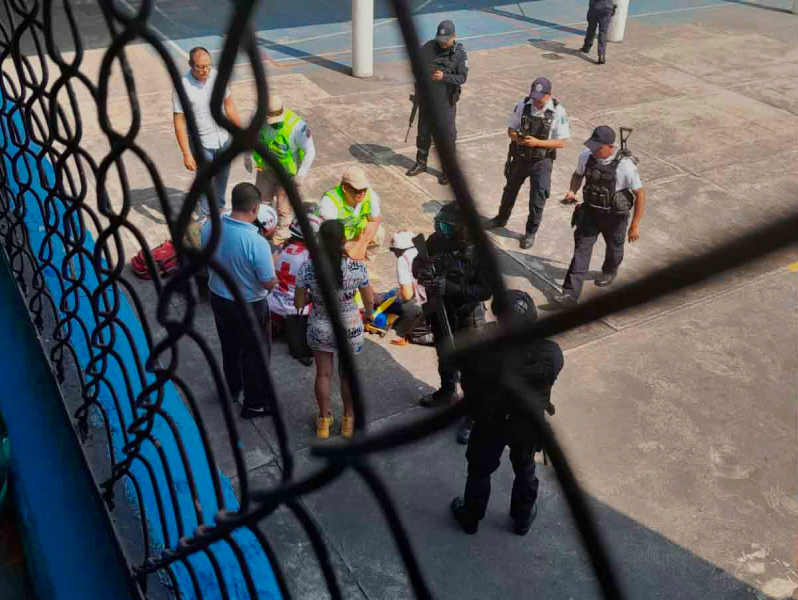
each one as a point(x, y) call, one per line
point(499, 422)
point(457, 284)
point(613, 188)
point(448, 65)
point(599, 14)
point(537, 128)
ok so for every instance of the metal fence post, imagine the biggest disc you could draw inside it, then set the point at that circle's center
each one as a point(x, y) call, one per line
point(618, 24)
point(363, 38)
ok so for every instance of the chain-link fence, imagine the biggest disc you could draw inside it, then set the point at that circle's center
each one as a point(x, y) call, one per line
point(62, 236)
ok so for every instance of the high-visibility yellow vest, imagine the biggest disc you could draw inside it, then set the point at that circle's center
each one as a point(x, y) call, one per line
point(355, 223)
point(279, 143)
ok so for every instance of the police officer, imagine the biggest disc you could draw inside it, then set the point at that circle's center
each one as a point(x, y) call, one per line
point(537, 128)
point(613, 187)
point(599, 14)
point(456, 284)
point(499, 422)
point(448, 65)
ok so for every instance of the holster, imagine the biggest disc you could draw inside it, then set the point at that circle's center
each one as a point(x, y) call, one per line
point(508, 167)
point(512, 153)
point(576, 218)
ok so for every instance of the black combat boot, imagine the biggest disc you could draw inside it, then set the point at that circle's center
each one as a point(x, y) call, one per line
point(443, 180)
point(604, 279)
point(521, 526)
point(602, 60)
point(459, 512)
point(440, 398)
point(564, 300)
point(495, 223)
point(585, 49)
point(417, 169)
point(527, 241)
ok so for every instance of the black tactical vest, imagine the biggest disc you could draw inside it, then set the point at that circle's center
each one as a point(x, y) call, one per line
point(601, 5)
point(446, 62)
point(540, 127)
point(601, 181)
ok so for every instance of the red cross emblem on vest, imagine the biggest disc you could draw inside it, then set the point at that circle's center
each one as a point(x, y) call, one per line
point(285, 278)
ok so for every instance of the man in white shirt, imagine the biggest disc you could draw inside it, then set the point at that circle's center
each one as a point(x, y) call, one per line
point(289, 139)
point(357, 206)
point(198, 85)
point(410, 293)
point(613, 188)
point(537, 128)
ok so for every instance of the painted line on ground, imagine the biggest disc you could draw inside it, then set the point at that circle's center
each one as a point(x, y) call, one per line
point(299, 61)
point(163, 36)
point(319, 37)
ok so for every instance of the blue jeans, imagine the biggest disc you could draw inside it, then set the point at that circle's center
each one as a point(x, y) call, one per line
point(219, 181)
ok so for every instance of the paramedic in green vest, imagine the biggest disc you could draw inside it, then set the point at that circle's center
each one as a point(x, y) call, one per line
point(289, 139)
point(357, 206)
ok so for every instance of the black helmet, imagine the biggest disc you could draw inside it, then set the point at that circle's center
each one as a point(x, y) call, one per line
point(520, 304)
point(448, 216)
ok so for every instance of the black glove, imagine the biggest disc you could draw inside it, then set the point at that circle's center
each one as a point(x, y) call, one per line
point(423, 268)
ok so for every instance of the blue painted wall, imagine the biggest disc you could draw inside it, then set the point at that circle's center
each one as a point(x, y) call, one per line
point(69, 550)
point(32, 178)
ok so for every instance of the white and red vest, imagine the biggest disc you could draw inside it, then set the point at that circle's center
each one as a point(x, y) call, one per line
point(286, 266)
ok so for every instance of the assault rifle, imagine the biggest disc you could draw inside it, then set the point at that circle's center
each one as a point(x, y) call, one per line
point(412, 115)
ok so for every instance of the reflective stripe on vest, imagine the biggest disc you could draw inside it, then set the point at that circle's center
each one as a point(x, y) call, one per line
point(354, 223)
point(279, 144)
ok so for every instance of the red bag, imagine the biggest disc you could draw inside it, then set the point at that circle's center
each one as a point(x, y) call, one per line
point(165, 259)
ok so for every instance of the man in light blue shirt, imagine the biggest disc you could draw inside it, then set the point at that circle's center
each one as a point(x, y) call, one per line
point(245, 256)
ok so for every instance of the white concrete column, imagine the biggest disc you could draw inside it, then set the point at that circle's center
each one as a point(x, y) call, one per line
point(362, 38)
point(795, 7)
point(618, 23)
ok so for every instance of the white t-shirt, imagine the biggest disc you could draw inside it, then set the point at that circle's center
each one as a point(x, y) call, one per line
point(560, 128)
point(212, 135)
point(404, 274)
point(328, 211)
point(627, 177)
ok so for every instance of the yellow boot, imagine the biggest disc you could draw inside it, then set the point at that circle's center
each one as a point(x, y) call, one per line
point(347, 426)
point(323, 425)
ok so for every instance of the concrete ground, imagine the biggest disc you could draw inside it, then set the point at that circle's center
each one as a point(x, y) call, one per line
point(679, 417)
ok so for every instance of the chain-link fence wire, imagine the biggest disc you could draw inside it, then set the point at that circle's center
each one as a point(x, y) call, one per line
point(191, 526)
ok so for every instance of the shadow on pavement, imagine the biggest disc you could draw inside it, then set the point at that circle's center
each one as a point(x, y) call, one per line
point(264, 45)
point(559, 48)
point(761, 6)
point(147, 203)
point(526, 19)
point(549, 563)
point(375, 154)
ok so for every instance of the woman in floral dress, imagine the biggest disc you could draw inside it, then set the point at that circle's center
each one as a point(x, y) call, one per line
point(350, 276)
